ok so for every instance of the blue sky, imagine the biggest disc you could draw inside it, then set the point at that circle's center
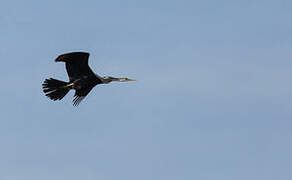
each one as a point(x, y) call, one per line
point(212, 98)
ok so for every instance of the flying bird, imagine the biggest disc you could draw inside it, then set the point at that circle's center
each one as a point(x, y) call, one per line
point(81, 78)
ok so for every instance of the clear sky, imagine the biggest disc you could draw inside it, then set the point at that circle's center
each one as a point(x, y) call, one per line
point(212, 100)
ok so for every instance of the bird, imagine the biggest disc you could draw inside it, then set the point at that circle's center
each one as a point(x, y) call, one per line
point(81, 78)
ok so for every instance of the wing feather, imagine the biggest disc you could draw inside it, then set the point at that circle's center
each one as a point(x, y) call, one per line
point(77, 99)
point(80, 94)
point(76, 64)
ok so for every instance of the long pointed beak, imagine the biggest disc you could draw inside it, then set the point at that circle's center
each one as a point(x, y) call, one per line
point(130, 80)
point(126, 80)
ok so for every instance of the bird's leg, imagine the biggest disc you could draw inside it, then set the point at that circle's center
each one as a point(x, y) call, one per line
point(76, 84)
point(70, 85)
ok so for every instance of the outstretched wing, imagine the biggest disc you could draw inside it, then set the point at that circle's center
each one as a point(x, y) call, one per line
point(76, 64)
point(80, 95)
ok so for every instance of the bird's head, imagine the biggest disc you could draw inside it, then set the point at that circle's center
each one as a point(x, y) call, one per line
point(108, 79)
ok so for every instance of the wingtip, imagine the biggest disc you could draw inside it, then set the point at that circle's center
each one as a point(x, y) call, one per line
point(59, 58)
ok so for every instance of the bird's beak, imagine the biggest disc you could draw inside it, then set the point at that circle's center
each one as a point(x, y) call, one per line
point(126, 80)
point(130, 80)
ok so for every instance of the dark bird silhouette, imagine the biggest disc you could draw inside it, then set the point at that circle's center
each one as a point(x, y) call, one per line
point(81, 78)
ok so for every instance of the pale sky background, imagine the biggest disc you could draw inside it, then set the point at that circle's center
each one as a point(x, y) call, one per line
point(212, 99)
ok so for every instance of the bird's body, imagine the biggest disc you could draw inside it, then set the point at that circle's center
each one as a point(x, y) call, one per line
point(81, 78)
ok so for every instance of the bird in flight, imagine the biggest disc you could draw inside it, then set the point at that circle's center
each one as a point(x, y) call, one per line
point(81, 78)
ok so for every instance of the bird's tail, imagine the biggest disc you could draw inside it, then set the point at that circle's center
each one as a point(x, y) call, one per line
point(55, 89)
